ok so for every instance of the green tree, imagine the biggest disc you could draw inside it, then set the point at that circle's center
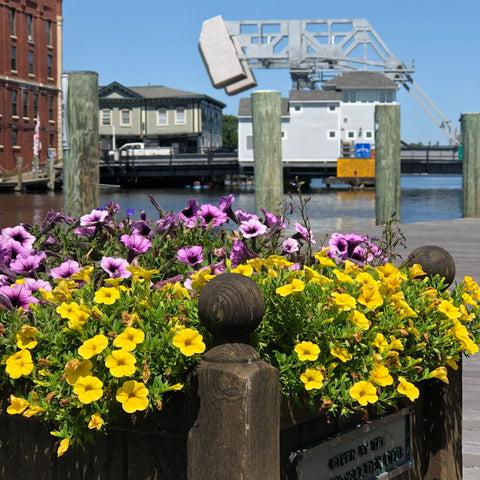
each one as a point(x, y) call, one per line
point(230, 131)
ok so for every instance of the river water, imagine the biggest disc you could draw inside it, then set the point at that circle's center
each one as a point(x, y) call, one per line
point(423, 198)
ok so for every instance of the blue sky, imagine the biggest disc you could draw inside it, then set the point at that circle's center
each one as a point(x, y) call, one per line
point(156, 42)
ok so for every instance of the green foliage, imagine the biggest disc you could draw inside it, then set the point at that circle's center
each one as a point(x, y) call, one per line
point(230, 131)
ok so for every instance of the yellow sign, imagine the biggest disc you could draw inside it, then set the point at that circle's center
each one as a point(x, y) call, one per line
point(356, 167)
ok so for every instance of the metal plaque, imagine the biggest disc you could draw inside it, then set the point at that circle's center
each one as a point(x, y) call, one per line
point(380, 449)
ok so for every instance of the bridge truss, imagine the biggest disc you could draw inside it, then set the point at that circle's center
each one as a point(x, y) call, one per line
point(316, 50)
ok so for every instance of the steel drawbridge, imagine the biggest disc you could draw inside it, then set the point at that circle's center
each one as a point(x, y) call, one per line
point(313, 51)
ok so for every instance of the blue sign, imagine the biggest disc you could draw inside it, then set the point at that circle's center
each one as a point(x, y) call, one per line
point(363, 150)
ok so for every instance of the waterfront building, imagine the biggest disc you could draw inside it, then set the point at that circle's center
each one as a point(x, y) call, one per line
point(159, 116)
point(322, 125)
point(30, 81)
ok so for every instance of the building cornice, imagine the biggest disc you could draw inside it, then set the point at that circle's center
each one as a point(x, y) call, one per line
point(20, 81)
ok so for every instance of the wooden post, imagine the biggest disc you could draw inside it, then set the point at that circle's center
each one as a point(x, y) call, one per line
point(267, 150)
point(387, 162)
point(18, 187)
point(81, 175)
point(236, 435)
point(471, 164)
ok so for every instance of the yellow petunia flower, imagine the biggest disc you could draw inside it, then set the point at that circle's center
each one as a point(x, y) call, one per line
point(74, 369)
point(390, 271)
point(415, 271)
point(63, 447)
point(176, 387)
point(17, 405)
point(364, 392)
point(93, 346)
point(370, 296)
point(343, 277)
point(379, 342)
point(440, 373)
point(350, 267)
point(381, 375)
point(448, 309)
point(27, 337)
point(200, 278)
point(395, 343)
point(359, 320)
point(307, 351)
point(256, 263)
point(294, 286)
point(88, 389)
point(33, 410)
point(96, 421)
point(107, 295)
point(20, 363)
point(246, 270)
point(189, 342)
point(312, 378)
point(121, 363)
point(133, 396)
point(343, 301)
point(408, 389)
point(323, 260)
point(140, 274)
point(83, 275)
point(129, 339)
point(341, 353)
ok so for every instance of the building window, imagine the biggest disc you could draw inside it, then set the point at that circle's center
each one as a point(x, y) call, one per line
point(30, 62)
point(35, 105)
point(349, 96)
point(49, 33)
point(332, 134)
point(332, 108)
point(368, 134)
point(13, 26)
point(351, 134)
point(49, 66)
point(162, 116)
point(298, 108)
point(50, 109)
point(249, 139)
point(180, 115)
point(25, 104)
point(386, 96)
point(15, 137)
point(106, 116)
point(14, 103)
point(125, 117)
point(13, 59)
point(30, 28)
point(51, 139)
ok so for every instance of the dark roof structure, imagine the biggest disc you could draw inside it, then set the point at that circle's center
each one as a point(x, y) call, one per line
point(360, 80)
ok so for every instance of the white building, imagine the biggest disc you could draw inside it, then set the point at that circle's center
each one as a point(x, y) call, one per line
point(324, 125)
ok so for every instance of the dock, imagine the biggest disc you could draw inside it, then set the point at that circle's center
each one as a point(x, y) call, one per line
point(29, 181)
point(460, 238)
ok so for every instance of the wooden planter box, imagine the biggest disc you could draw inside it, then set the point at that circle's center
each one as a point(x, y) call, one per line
point(156, 446)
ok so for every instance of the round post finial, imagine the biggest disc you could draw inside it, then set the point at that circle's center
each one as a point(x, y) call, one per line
point(231, 307)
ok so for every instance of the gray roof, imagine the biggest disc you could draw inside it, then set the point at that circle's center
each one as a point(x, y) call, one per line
point(359, 80)
point(314, 95)
point(245, 107)
point(157, 92)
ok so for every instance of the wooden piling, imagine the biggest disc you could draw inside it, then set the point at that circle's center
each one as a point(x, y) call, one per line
point(19, 185)
point(81, 177)
point(236, 435)
point(267, 150)
point(387, 162)
point(470, 123)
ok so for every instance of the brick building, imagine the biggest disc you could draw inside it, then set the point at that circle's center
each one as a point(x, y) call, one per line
point(30, 79)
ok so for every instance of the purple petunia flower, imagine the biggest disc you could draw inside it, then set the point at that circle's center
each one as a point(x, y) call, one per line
point(240, 252)
point(26, 263)
point(35, 284)
point(303, 233)
point(225, 204)
point(18, 235)
point(343, 246)
point(166, 223)
point(290, 245)
point(84, 231)
point(19, 295)
point(189, 216)
point(243, 216)
point(272, 219)
point(10, 249)
point(136, 243)
point(190, 255)
point(115, 267)
point(252, 228)
point(65, 269)
point(94, 218)
point(210, 213)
